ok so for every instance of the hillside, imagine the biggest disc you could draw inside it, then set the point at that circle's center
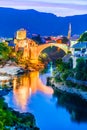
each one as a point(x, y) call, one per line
point(38, 22)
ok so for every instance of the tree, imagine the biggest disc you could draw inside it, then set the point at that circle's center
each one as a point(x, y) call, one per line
point(81, 69)
point(5, 51)
point(80, 64)
point(62, 66)
point(83, 37)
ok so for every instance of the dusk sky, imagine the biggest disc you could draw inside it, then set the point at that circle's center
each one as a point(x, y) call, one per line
point(57, 7)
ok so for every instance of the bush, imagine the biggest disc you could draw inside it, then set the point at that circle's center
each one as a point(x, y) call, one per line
point(10, 118)
point(57, 79)
point(65, 75)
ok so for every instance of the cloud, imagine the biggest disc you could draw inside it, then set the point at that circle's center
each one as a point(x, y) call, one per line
point(60, 8)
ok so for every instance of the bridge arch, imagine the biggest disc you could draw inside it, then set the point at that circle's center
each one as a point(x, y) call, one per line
point(64, 47)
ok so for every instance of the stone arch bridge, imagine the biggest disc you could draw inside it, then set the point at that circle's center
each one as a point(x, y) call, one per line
point(33, 50)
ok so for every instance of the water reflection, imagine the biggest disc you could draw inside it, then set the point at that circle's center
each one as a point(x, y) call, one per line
point(75, 105)
point(56, 111)
point(25, 86)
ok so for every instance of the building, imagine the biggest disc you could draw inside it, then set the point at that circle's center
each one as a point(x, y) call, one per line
point(23, 43)
point(63, 40)
point(21, 34)
point(79, 49)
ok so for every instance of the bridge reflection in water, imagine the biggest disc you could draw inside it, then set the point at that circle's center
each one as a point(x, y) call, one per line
point(25, 86)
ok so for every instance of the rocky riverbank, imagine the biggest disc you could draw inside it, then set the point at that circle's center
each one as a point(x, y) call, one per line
point(9, 70)
point(62, 87)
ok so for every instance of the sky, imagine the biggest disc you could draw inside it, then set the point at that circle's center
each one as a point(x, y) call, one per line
point(57, 7)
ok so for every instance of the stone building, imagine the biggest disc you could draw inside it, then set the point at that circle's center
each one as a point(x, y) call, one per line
point(21, 34)
point(23, 43)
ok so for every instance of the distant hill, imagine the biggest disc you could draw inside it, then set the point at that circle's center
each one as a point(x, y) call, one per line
point(37, 22)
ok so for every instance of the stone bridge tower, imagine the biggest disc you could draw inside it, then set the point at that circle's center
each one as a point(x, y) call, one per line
point(28, 46)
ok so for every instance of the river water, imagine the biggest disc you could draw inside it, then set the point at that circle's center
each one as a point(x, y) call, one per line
point(53, 110)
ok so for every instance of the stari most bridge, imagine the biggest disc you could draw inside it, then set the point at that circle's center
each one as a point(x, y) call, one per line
point(36, 50)
point(33, 50)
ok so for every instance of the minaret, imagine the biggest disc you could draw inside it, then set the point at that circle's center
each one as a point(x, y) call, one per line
point(69, 31)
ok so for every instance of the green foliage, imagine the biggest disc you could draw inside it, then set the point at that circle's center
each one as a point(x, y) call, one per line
point(65, 75)
point(58, 61)
point(80, 64)
point(81, 69)
point(57, 79)
point(83, 37)
point(1, 125)
point(5, 51)
point(9, 118)
point(62, 66)
point(63, 70)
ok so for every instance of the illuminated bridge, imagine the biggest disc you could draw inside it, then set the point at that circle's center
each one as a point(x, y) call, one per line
point(33, 50)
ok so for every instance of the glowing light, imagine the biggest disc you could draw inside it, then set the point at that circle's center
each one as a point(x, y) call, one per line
point(28, 85)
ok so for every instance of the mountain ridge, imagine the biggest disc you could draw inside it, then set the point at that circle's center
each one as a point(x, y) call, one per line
point(38, 22)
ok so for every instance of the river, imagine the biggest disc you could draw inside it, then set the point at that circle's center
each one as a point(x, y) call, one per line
point(52, 110)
